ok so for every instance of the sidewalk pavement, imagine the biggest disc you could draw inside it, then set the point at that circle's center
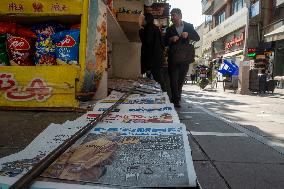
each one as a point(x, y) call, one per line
point(19, 128)
point(261, 114)
point(237, 141)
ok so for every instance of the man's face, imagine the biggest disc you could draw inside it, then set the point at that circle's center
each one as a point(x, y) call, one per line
point(176, 18)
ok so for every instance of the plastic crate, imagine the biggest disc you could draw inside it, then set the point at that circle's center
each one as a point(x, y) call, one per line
point(228, 68)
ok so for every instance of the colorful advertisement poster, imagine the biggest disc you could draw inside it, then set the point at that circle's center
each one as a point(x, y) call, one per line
point(38, 7)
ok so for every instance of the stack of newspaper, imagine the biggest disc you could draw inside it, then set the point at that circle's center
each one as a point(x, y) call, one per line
point(141, 143)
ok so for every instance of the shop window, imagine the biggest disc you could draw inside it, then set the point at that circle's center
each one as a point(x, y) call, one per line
point(237, 5)
point(208, 19)
point(220, 17)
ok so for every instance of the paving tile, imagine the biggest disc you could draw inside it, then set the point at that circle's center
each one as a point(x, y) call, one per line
point(201, 116)
point(238, 149)
point(19, 128)
point(197, 154)
point(208, 176)
point(209, 126)
point(56, 117)
point(265, 129)
point(5, 139)
point(7, 116)
point(248, 176)
point(8, 151)
point(278, 139)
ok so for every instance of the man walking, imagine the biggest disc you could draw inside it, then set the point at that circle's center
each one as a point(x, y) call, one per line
point(184, 31)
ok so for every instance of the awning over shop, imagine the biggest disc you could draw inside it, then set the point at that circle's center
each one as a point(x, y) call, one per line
point(231, 54)
point(275, 35)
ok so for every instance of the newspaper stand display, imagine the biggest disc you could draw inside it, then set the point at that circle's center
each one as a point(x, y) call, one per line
point(59, 85)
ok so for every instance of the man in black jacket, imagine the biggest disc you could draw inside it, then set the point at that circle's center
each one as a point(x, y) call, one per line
point(152, 49)
point(180, 30)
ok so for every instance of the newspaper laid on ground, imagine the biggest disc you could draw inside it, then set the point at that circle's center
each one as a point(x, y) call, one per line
point(142, 155)
point(136, 155)
point(141, 143)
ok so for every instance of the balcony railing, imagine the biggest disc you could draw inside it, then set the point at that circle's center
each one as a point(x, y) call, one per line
point(206, 5)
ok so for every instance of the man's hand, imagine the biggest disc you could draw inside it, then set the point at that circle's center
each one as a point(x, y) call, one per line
point(174, 39)
point(184, 35)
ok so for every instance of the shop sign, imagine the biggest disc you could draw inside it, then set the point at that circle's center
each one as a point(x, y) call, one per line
point(251, 52)
point(158, 9)
point(260, 56)
point(36, 90)
point(268, 53)
point(41, 7)
point(235, 41)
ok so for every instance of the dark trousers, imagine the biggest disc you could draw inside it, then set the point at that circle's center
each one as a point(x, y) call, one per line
point(177, 75)
point(161, 76)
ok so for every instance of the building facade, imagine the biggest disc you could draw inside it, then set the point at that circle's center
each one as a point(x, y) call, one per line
point(198, 44)
point(273, 32)
point(233, 27)
point(226, 28)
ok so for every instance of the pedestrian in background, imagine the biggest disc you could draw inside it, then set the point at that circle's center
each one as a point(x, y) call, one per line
point(179, 31)
point(192, 78)
point(152, 56)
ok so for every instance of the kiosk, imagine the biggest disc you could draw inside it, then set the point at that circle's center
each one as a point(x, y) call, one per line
point(57, 85)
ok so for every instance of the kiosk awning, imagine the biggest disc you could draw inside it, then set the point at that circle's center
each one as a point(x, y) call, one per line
point(275, 35)
point(232, 54)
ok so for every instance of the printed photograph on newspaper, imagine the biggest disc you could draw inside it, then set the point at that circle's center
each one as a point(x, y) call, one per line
point(142, 155)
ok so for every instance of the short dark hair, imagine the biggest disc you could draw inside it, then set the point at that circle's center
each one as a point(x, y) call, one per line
point(176, 10)
point(149, 18)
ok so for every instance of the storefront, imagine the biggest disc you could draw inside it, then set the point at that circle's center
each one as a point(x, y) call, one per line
point(39, 73)
point(230, 45)
point(279, 57)
point(107, 40)
point(277, 37)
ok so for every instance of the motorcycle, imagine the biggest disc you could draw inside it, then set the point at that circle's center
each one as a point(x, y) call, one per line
point(203, 80)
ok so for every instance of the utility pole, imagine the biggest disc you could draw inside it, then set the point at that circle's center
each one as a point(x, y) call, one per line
point(243, 81)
